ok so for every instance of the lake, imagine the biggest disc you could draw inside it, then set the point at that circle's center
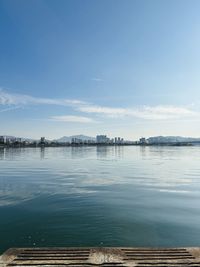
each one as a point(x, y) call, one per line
point(100, 196)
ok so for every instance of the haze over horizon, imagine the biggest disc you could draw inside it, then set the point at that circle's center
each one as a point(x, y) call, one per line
point(121, 68)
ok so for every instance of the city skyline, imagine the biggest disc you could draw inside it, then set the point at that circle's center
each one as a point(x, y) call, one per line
point(99, 140)
point(126, 68)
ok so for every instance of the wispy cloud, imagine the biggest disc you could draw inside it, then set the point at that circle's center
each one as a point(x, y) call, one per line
point(160, 112)
point(70, 118)
point(20, 99)
point(143, 112)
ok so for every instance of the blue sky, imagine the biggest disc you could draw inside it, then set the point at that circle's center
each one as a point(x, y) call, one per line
point(118, 67)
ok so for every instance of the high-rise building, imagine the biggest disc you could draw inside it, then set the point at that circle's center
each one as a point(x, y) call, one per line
point(119, 140)
point(42, 141)
point(76, 141)
point(2, 139)
point(143, 141)
point(102, 139)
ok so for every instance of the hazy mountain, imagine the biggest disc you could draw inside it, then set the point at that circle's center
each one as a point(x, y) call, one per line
point(171, 139)
point(69, 138)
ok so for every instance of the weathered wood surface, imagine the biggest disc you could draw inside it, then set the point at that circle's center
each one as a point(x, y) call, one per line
point(91, 257)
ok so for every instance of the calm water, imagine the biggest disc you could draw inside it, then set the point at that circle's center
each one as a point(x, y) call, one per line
point(100, 196)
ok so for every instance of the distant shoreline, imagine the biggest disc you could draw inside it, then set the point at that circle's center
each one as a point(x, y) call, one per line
point(96, 145)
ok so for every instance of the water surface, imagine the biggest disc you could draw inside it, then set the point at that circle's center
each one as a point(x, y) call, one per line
point(100, 196)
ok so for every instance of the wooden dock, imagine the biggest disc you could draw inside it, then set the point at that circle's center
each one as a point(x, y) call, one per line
point(105, 257)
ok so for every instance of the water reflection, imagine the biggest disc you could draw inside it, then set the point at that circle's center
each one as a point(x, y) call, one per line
point(2, 153)
point(143, 151)
point(42, 152)
point(28, 173)
point(17, 153)
point(81, 151)
point(111, 192)
point(104, 152)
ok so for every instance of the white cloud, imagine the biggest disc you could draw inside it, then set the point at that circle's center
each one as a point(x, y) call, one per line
point(162, 112)
point(143, 112)
point(159, 112)
point(19, 99)
point(69, 118)
point(102, 110)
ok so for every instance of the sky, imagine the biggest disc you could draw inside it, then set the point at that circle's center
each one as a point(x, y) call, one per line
point(126, 68)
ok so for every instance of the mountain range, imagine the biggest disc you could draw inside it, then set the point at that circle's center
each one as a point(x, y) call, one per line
point(154, 139)
point(69, 138)
point(172, 139)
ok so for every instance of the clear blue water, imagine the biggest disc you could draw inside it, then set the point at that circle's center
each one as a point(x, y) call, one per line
point(100, 196)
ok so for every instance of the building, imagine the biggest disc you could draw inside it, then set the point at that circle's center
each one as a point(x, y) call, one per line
point(119, 140)
point(76, 141)
point(2, 139)
point(112, 141)
point(10, 140)
point(102, 139)
point(42, 141)
point(143, 141)
point(18, 140)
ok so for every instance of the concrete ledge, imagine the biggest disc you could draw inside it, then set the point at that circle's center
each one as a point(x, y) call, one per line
point(88, 257)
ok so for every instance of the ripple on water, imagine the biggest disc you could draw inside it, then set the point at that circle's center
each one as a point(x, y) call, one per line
point(128, 196)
